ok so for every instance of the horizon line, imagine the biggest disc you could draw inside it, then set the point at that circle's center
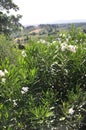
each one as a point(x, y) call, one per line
point(59, 22)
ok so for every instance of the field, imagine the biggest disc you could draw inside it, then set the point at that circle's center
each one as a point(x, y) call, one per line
point(43, 84)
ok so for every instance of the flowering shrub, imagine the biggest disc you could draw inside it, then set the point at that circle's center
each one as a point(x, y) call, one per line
point(45, 87)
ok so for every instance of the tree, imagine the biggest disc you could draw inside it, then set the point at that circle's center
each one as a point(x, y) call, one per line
point(8, 23)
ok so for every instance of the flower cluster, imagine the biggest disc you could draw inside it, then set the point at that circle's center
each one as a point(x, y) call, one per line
point(71, 48)
point(62, 37)
point(2, 75)
point(24, 90)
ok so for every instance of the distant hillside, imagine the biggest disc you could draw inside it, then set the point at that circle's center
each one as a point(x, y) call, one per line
point(59, 26)
point(47, 29)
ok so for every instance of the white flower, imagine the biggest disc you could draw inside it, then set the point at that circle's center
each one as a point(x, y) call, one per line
point(24, 90)
point(52, 86)
point(2, 74)
point(5, 71)
point(72, 48)
point(42, 41)
point(64, 35)
point(3, 80)
point(71, 111)
point(62, 119)
point(14, 102)
point(52, 108)
point(54, 41)
point(63, 46)
point(23, 54)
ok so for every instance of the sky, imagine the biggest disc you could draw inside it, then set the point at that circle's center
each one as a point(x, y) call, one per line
point(36, 12)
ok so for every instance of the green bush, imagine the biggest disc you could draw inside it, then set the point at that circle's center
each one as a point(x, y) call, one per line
point(45, 87)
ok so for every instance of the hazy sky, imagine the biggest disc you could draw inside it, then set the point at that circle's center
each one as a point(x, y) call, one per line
point(49, 11)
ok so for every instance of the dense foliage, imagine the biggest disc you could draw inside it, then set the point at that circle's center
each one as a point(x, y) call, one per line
point(8, 23)
point(45, 87)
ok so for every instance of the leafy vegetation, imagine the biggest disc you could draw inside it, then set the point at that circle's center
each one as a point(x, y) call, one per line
point(44, 85)
point(47, 30)
point(8, 23)
point(7, 50)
